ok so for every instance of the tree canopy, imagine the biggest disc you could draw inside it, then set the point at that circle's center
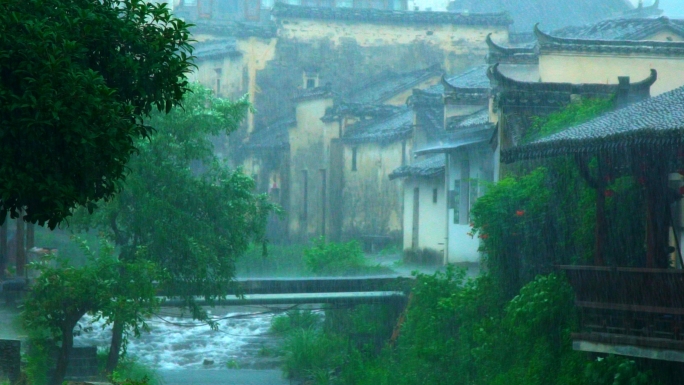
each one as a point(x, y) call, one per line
point(192, 213)
point(77, 79)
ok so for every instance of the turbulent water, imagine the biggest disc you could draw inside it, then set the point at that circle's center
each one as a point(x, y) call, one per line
point(181, 343)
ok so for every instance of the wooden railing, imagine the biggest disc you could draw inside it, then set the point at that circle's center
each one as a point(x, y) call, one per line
point(629, 306)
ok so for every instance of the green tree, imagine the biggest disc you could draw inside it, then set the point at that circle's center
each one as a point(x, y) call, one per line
point(77, 77)
point(193, 215)
point(63, 294)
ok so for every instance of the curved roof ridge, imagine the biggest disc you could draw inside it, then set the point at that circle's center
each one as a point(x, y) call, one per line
point(493, 47)
point(546, 40)
point(494, 74)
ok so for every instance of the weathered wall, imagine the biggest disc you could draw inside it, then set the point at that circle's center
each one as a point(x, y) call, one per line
point(604, 69)
point(348, 54)
point(431, 216)
point(232, 75)
point(372, 203)
point(310, 156)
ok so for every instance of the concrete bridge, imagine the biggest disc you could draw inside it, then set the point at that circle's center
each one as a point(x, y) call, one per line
point(338, 290)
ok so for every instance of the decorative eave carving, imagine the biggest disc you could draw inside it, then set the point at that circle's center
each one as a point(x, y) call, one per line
point(548, 43)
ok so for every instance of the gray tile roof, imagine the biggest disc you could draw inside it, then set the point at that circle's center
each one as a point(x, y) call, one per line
point(381, 130)
point(517, 94)
point(478, 119)
point(469, 87)
point(549, 43)
point(623, 29)
point(525, 54)
point(234, 29)
point(425, 168)
point(461, 138)
point(213, 49)
point(281, 10)
point(475, 77)
point(340, 109)
point(655, 121)
point(388, 84)
point(553, 13)
point(312, 93)
point(273, 137)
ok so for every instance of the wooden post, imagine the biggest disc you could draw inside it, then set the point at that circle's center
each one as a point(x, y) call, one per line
point(30, 236)
point(600, 230)
point(21, 247)
point(4, 252)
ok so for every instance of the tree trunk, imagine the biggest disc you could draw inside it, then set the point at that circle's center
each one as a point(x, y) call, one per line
point(64, 354)
point(115, 346)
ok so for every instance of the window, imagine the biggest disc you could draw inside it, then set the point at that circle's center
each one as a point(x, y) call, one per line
point(353, 159)
point(434, 195)
point(310, 83)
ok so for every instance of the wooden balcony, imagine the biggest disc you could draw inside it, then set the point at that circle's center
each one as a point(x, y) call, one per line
point(629, 311)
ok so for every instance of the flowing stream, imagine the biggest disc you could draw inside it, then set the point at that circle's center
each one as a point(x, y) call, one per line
point(242, 340)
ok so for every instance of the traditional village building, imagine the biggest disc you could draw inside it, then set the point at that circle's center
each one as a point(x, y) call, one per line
point(630, 304)
point(553, 13)
point(328, 163)
point(628, 47)
point(453, 158)
point(344, 45)
point(518, 103)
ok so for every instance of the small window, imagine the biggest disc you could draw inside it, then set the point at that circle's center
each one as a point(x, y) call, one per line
point(353, 160)
point(310, 83)
point(434, 195)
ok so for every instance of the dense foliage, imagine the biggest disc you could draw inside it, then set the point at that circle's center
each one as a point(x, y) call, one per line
point(77, 78)
point(512, 325)
point(104, 287)
point(334, 258)
point(191, 213)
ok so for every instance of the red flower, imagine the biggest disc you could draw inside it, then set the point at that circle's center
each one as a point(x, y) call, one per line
point(520, 213)
point(483, 236)
point(608, 193)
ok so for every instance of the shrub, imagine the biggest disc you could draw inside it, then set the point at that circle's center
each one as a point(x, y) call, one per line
point(331, 258)
point(294, 320)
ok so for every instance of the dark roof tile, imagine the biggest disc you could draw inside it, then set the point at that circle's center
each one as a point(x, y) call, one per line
point(384, 130)
point(273, 137)
point(281, 10)
point(554, 13)
point(425, 168)
point(659, 120)
point(623, 29)
point(388, 84)
point(549, 43)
